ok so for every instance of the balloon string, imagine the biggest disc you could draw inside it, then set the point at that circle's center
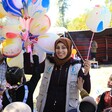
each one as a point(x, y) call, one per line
point(90, 45)
point(75, 46)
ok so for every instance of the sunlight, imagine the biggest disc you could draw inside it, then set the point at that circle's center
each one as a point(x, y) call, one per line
point(75, 9)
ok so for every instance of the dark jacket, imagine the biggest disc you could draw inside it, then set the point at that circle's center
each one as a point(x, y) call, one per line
point(58, 85)
point(87, 82)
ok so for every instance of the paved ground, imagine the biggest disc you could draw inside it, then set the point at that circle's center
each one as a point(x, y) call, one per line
point(99, 78)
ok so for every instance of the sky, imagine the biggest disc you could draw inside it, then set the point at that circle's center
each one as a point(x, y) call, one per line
point(76, 8)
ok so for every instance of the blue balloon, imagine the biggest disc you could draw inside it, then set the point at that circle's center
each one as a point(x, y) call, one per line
point(9, 6)
point(100, 27)
point(2, 38)
point(45, 3)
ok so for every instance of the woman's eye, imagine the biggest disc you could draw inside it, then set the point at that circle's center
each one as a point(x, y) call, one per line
point(63, 47)
point(57, 47)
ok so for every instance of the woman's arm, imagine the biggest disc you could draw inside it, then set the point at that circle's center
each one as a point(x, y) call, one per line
point(28, 66)
point(87, 81)
point(85, 75)
point(32, 83)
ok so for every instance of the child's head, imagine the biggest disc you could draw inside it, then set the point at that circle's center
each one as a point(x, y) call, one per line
point(109, 84)
point(87, 104)
point(17, 107)
point(14, 75)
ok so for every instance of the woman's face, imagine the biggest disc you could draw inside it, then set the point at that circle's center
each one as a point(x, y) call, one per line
point(61, 50)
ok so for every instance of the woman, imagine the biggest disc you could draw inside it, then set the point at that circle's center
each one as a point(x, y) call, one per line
point(19, 91)
point(58, 90)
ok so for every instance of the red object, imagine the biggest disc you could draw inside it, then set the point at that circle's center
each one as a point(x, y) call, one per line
point(11, 35)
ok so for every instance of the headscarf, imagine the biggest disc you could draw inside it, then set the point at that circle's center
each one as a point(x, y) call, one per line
point(68, 43)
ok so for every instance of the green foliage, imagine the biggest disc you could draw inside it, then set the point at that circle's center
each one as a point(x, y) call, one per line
point(78, 23)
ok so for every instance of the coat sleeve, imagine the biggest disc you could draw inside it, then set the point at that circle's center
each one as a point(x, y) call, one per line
point(87, 81)
point(28, 66)
point(32, 83)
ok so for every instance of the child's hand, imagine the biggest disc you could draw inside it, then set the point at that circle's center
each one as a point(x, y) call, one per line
point(80, 83)
point(27, 43)
point(34, 52)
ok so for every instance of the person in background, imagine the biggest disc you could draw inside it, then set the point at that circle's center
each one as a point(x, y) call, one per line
point(3, 69)
point(19, 91)
point(58, 90)
point(94, 47)
point(105, 102)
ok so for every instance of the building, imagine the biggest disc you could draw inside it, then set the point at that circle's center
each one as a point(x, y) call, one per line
point(104, 39)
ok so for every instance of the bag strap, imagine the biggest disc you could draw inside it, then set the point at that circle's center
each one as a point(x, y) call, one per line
point(25, 96)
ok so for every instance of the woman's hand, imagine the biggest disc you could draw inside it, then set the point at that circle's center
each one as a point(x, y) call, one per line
point(87, 66)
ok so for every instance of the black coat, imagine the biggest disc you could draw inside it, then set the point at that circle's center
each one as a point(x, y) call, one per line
point(57, 87)
point(105, 101)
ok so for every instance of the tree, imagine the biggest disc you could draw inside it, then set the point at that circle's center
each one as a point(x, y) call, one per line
point(78, 23)
point(62, 6)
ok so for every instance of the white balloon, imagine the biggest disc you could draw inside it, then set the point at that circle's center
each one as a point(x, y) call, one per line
point(12, 47)
point(37, 8)
point(98, 19)
point(40, 53)
point(16, 61)
point(46, 42)
point(40, 26)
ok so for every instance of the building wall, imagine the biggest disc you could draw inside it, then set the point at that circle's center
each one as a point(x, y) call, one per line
point(82, 40)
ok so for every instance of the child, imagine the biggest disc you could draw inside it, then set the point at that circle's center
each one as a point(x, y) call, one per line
point(88, 103)
point(19, 91)
point(106, 98)
point(17, 107)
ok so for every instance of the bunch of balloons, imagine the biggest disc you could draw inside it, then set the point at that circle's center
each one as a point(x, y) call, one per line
point(25, 19)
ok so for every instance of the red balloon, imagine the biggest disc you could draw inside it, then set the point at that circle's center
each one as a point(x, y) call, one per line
point(11, 35)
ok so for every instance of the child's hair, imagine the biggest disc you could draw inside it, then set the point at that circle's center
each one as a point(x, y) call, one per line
point(87, 107)
point(17, 107)
point(14, 75)
point(87, 104)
